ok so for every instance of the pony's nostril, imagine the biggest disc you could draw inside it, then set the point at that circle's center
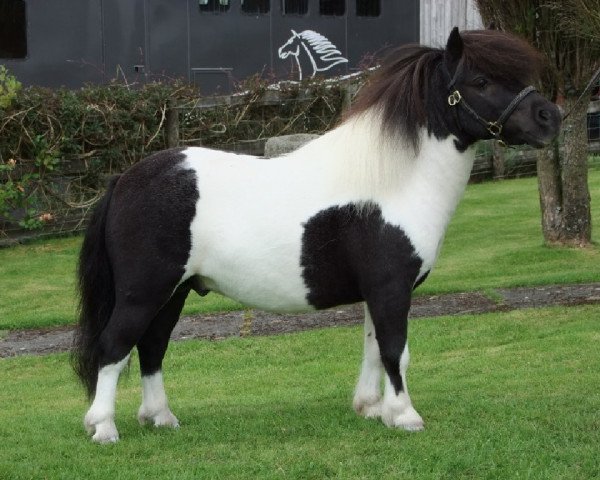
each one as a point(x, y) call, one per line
point(544, 115)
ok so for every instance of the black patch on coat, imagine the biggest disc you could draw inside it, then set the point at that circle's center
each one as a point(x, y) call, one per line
point(133, 258)
point(348, 251)
point(152, 208)
point(148, 240)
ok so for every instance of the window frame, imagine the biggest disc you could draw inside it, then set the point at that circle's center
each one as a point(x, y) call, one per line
point(216, 7)
point(343, 10)
point(282, 6)
point(256, 12)
point(22, 50)
point(366, 8)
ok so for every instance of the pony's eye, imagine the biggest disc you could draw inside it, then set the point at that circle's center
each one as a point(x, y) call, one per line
point(481, 83)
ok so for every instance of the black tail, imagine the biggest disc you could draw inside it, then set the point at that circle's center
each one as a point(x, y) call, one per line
point(96, 295)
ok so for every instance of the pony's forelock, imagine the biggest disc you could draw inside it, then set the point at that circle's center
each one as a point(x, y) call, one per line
point(501, 56)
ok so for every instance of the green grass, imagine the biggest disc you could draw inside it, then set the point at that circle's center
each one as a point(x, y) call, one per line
point(507, 395)
point(493, 241)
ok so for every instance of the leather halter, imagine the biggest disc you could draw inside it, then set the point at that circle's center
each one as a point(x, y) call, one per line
point(494, 127)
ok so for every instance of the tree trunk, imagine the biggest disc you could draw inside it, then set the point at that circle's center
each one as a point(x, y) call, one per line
point(563, 184)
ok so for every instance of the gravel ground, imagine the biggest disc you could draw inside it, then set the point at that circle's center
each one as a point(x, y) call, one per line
point(254, 322)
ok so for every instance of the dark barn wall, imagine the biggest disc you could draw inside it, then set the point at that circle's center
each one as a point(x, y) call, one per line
point(72, 42)
point(64, 44)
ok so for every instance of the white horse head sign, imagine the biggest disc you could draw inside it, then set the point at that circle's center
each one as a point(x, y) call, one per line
point(320, 52)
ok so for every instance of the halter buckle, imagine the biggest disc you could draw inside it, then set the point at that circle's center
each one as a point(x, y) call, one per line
point(454, 98)
point(494, 128)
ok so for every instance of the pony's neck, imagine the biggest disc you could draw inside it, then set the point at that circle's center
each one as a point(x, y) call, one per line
point(372, 164)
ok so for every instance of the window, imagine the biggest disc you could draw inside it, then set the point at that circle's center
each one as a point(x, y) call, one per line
point(332, 7)
point(216, 6)
point(13, 31)
point(256, 6)
point(294, 7)
point(368, 8)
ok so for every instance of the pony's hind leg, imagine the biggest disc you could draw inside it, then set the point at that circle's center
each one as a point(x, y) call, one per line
point(128, 322)
point(99, 420)
point(151, 348)
point(367, 396)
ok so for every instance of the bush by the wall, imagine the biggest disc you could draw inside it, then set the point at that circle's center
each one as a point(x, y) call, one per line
point(58, 146)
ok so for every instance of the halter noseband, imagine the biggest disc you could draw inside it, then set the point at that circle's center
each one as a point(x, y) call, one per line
point(494, 127)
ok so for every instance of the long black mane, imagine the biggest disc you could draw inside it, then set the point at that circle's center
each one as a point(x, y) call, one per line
point(409, 89)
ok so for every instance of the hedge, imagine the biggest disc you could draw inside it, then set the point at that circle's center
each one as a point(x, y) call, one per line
point(58, 146)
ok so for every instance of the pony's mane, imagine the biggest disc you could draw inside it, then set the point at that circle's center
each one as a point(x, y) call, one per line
point(403, 89)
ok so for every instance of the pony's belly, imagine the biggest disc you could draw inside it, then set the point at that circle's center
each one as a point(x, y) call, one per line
point(264, 274)
point(272, 291)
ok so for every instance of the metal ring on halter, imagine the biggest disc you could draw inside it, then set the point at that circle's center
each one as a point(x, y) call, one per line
point(494, 128)
point(454, 98)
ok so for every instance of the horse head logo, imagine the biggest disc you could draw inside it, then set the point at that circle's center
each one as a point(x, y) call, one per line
point(317, 49)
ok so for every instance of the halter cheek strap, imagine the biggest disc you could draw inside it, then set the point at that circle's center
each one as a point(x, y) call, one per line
point(494, 127)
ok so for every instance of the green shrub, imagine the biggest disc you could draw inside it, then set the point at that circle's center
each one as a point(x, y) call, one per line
point(9, 88)
point(58, 146)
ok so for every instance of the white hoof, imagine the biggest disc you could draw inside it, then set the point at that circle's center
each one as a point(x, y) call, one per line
point(105, 432)
point(368, 407)
point(408, 419)
point(101, 426)
point(164, 418)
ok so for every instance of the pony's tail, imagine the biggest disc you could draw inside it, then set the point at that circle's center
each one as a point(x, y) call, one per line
point(96, 295)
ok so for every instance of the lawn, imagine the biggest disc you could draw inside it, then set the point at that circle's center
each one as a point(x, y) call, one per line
point(505, 395)
point(493, 241)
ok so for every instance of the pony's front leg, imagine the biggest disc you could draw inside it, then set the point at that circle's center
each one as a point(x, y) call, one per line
point(389, 310)
point(99, 420)
point(367, 396)
point(397, 409)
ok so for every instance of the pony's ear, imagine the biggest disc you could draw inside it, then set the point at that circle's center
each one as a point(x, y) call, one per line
point(454, 46)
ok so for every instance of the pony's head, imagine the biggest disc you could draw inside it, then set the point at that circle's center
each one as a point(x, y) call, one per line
point(291, 47)
point(488, 74)
point(476, 88)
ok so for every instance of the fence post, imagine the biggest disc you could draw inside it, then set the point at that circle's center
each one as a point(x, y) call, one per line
point(498, 164)
point(172, 124)
point(347, 98)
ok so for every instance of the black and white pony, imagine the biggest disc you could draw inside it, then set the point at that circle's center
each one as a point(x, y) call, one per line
point(357, 215)
point(313, 50)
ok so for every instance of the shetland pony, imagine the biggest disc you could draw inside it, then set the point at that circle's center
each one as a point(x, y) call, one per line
point(357, 215)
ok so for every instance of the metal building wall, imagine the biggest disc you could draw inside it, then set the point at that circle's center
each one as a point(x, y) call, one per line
point(73, 42)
